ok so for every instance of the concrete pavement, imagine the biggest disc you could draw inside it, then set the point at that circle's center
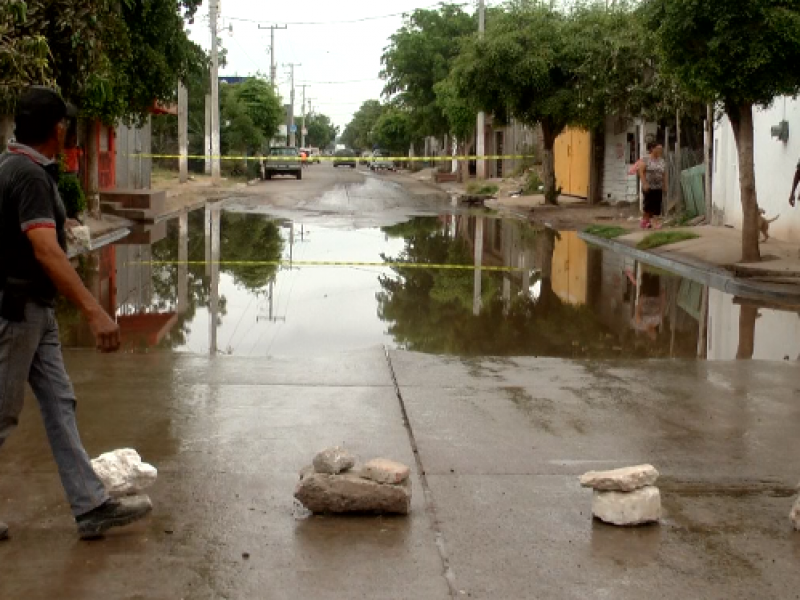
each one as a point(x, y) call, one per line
point(501, 443)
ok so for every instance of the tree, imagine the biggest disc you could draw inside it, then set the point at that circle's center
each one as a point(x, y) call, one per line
point(617, 67)
point(418, 57)
point(321, 131)
point(392, 131)
point(524, 68)
point(24, 56)
point(460, 114)
point(358, 133)
point(261, 104)
point(738, 54)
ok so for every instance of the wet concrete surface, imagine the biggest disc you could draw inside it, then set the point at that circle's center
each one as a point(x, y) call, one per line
point(501, 441)
point(577, 380)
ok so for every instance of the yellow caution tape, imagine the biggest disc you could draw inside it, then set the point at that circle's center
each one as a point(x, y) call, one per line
point(322, 263)
point(371, 159)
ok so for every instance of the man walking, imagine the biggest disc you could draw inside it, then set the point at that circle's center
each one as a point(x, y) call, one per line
point(795, 183)
point(33, 268)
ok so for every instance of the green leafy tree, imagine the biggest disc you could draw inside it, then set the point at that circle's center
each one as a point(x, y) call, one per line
point(524, 67)
point(261, 104)
point(321, 131)
point(393, 131)
point(24, 54)
point(739, 54)
point(617, 66)
point(358, 133)
point(460, 113)
point(419, 56)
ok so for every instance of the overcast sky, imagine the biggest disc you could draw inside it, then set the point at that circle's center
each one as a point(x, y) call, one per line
point(330, 52)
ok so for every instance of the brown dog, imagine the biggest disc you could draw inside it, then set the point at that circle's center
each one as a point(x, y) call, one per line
point(763, 223)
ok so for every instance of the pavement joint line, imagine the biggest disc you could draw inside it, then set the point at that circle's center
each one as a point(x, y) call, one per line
point(430, 504)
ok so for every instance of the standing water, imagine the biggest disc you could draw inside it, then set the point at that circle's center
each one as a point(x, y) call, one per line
point(246, 284)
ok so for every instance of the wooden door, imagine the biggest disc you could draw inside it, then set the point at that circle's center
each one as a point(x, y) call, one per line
point(580, 162)
point(561, 155)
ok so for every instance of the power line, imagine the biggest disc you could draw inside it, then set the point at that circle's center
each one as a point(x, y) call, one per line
point(339, 22)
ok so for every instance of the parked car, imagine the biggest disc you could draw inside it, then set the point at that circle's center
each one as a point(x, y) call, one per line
point(283, 161)
point(344, 158)
point(377, 164)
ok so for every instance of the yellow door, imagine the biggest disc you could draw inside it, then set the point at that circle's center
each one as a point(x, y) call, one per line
point(561, 151)
point(572, 158)
point(580, 161)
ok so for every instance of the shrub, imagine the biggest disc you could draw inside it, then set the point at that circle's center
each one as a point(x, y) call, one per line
point(72, 194)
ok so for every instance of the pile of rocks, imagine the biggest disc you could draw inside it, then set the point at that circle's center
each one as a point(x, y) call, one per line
point(333, 484)
point(625, 496)
point(123, 472)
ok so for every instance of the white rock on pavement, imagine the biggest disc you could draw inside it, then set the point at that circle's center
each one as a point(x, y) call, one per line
point(123, 473)
point(332, 461)
point(795, 514)
point(628, 508)
point(383, 470)
point(348, 492)
point(627, 479)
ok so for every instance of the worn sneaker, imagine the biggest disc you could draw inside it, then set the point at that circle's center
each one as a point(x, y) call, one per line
point(114, 513)
point(3, 531)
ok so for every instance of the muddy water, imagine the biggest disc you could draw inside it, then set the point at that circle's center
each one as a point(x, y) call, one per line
point(247, 284)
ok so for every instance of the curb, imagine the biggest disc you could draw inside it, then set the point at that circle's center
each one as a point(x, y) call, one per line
point(101, 241)
point(714, 277)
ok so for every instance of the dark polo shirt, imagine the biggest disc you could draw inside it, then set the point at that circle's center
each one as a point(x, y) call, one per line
point(29, 199)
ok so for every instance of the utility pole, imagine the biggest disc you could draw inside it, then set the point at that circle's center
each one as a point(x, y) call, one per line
point(292, 138)
point(183, 133)
point(480, 134)
point(303, 109)
point(215, 148)
point(272, 68)
point(207, 136)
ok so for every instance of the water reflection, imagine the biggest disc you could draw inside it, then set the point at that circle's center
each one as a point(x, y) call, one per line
point(210, 281)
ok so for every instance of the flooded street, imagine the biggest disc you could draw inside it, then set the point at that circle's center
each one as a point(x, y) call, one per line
point(498, 361)
point(243, 283)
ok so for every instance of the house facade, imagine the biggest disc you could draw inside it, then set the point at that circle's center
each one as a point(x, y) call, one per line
point(775, 164)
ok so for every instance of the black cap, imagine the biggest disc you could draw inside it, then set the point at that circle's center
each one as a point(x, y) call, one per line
point(39, 110)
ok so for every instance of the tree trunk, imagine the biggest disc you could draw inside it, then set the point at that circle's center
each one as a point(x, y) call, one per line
point(741, 118)
point(747, 332)
point(548, 163)
point(92, 169)
point(463, 164)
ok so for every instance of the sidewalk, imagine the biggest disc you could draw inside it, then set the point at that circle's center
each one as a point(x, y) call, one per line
point(571, 213)
point(714, 259)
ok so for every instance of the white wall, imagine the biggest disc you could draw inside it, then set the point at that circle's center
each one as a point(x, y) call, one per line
point(777, 332)
point(134, 172)
point(618, 185)
point(775, 164)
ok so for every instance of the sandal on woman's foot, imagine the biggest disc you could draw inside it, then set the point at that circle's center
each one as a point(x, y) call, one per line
point(645, 224)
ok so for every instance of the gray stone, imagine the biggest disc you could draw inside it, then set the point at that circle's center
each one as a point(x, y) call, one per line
point(628, 508)
point(333, 460)
point(383, 470)
point(627, 479)
point(348, 492)
point(123, 473)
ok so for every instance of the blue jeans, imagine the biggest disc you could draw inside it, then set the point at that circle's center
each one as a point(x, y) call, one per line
point(31, 351)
